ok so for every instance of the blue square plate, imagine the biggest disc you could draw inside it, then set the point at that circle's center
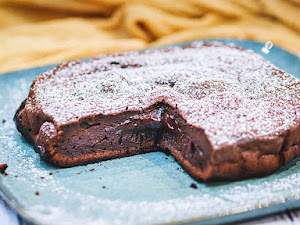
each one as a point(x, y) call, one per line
point(143, 189)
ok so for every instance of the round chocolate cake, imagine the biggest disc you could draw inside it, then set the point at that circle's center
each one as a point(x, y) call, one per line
point(221, 111)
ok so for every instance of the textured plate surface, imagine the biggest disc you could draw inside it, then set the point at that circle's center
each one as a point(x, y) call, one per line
point(144, 189)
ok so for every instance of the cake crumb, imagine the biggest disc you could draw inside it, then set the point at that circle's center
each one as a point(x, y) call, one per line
point(16, 175)
point(92, 170)
point(37, 193)
point(57, 171)
point(42, 178)
point(50, 173)
point(3, 167)
point(193, 185)
point(5, 174)
point(78, 172)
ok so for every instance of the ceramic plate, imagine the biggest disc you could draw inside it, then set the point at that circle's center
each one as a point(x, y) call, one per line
point(144, 189)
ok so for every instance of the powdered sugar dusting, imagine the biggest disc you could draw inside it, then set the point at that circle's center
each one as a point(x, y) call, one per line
point(232, 94)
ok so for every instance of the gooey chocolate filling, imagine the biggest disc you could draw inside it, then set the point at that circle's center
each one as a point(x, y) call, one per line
point(159, 128)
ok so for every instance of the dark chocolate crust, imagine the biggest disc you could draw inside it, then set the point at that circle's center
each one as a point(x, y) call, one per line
point(219, 117)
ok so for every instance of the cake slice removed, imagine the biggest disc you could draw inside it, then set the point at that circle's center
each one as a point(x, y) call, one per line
point(221, 111)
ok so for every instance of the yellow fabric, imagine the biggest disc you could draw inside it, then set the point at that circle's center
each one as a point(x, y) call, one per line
point(40, 32)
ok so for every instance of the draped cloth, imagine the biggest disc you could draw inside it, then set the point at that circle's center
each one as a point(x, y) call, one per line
point(41, 32)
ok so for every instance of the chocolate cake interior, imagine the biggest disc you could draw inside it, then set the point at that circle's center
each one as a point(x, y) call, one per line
point(127, 133)
point(157, 128)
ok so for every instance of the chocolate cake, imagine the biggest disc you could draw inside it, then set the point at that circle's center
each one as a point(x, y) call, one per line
point(3, 167)
point(221, 111)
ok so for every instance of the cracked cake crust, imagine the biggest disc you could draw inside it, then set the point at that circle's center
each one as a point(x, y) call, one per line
point(221, 111)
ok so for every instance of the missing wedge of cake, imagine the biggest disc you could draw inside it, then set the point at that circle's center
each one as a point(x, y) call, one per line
point(222, 111)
